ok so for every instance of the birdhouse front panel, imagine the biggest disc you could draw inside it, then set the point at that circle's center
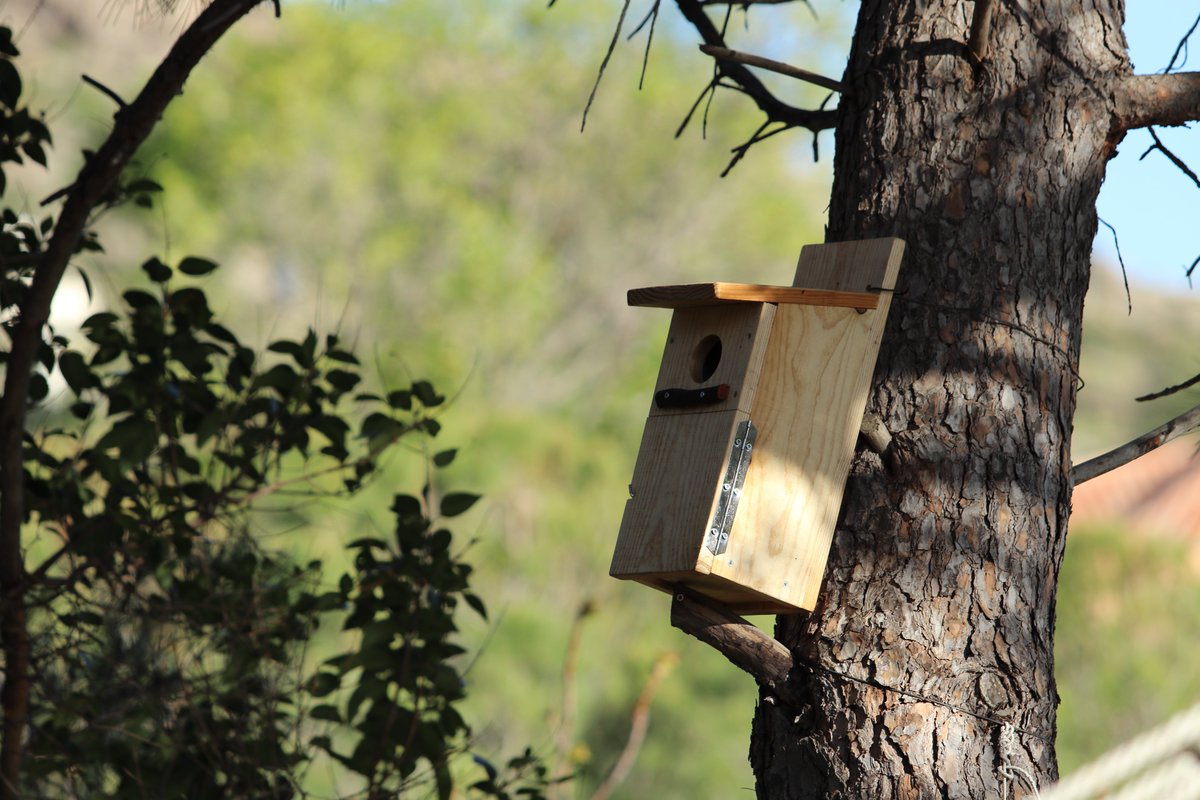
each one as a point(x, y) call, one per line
point(752, 425)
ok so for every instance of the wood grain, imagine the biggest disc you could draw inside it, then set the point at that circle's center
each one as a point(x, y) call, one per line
point(808, 408)
point(675, 482)
point(707, 294)
point(743, 330)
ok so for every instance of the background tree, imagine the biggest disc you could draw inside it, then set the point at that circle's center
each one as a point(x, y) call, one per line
point(152, 647)
point(978, 133)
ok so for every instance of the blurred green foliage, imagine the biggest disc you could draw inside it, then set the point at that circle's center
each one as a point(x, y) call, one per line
point(1128, 638)
point(414, 173)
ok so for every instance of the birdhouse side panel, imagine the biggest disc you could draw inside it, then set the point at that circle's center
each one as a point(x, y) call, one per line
point(674, 490)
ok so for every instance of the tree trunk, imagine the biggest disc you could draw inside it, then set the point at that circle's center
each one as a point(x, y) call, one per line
point(936, 620)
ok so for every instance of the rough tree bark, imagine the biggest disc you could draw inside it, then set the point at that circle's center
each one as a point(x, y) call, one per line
point(936, 620)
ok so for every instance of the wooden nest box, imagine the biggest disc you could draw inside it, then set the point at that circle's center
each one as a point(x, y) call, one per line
point(753, 423)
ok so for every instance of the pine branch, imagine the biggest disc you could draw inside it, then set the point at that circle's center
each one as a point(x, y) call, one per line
point(725, 54)
point(746, 82)
point(746, 647)
point(1140, 101)
point(1186, 422)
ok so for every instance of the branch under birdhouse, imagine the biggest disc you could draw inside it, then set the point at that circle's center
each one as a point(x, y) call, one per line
point(746, 647)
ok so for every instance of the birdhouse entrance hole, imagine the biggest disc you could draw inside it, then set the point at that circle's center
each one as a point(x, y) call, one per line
point(705, 358)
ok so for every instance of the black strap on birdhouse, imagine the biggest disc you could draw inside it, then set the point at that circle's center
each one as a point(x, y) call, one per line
point(684, 398)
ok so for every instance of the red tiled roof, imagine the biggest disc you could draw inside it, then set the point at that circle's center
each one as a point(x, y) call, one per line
point(1158, 493)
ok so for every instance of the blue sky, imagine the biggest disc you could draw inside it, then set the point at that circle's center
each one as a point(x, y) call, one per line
point(1154, 207)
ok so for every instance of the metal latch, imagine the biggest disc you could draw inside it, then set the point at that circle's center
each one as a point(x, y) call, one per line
point(717, 538)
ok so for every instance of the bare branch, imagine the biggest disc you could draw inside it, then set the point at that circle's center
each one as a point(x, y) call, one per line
point(1140, 101)
point(1174, 159)
point(746, 647)
point(612, 45)
point(132, 124)
point(749, 2)
point(1121, 261)
point(725, 54)
point(1170, 389)
point(564, 737)
point(981, 30)
point(104, 90)
point(1182, 46)
point(639, 721)
point(775, 109)
point(1184, 423)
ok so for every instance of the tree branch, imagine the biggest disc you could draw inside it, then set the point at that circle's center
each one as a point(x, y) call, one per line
point(775, 109)
point(1174, 159)
point(639, 721)
point(746, 647)
point(1179, 387)
point(1143, 100)
point(981, 30)
point(132, 124)
point(725, 54)
point(1184, 423)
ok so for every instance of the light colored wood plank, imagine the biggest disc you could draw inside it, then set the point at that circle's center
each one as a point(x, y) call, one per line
point(706, 294)
point(743, 330)
point(850, 266)
point(808, 408)
point(675, 484)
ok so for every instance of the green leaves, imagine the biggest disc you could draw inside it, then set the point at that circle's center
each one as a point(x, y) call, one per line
point(456, 503)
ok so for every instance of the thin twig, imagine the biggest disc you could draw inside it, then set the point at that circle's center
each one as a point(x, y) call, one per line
point(725, 54)
point(1190, 382)
point(612, 45)
point(1121, 261)
point(639, 722)
point(565, 735)
point(1176, 160)
point(1186, 422)
point(95, 84)
point(1182, 47)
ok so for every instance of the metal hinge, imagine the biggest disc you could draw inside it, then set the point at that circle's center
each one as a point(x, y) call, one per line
point(717, 538)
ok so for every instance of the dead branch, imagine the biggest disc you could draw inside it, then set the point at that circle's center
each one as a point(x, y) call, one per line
point(746, 82)
point(1182, 46)
point(565, 736)
point(1140, 101)
point(1179, 387)
point(1174, 159)
point(746, 647)
point(132, 124)
point(875, 434)
point(725, 54)
point(981, 30)
point(1184, 423)
point(639, 721)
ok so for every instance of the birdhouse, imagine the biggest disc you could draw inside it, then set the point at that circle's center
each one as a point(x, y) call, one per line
point(752, 425)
